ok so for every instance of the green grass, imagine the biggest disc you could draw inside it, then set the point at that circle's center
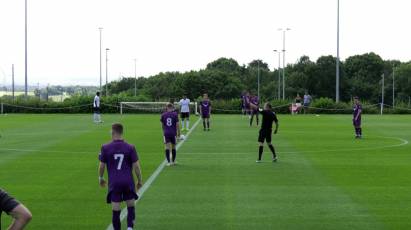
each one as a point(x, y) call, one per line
point(324, 178)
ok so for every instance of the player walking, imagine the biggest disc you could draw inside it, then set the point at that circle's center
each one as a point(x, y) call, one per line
point(20, 214)
point(96, 108)
point(266, 131)
point(357, 118)
point(171, 129)
point(121, 160)
point(185, 112)
point(205, 111)
point(254, 109)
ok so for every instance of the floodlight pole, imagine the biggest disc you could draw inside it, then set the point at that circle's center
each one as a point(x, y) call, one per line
point(101, 75)
point(279, 73)
point(284, 31)
point(258, 79)
point(382, 93)
point(12, 81)
point(25, 50)
point(135, 77)
point(337, 75)
point(107, 49)
point(393, 87)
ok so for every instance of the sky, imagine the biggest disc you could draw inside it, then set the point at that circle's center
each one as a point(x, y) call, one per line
point(183, 35)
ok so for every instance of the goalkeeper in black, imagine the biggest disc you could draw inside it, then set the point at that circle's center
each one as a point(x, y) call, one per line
point(266, 131)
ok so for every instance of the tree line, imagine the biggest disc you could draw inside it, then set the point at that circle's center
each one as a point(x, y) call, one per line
point(224, 79)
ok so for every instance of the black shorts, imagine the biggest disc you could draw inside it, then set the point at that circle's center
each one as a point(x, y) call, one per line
point(265, 135)
point(7, 203)
point(96, 109)
point(185, 115)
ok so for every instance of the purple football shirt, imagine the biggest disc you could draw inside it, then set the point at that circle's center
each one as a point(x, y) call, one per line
point(357, 111)
point(119, 157)
point(205, 107)
point(255, 101)
point(169, 121)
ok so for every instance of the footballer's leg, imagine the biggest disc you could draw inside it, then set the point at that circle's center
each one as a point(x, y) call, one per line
point(204, 123)
point(268, 140)
point(131, 214)
point(173, 153)
point(272, 151)
point(167, 152)
point(251, 119)
point(261, 138)
point(188, 121)
point(182, 121)
point(208, 123)
point(116, 215)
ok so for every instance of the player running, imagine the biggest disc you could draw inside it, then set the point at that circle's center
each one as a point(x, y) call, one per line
point(205, 111)
point(185, 112)
point(254, 109)
point(171, 129)
point(96, 108)
point(20, 214)
point(357, 118)
point(121, 160)
point(266, 131)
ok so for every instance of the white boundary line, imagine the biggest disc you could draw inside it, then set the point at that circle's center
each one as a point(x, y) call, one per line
point(403, 142)
point(155, 174)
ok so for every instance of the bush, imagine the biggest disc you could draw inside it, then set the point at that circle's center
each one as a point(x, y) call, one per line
point(83, 104)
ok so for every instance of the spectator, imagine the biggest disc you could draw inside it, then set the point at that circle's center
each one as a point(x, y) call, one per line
point(307, 102)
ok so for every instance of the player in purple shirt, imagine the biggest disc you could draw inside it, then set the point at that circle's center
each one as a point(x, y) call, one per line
point(171, 130)
point(121, 160)
point(205, 111)
point(357, 118)
point(254, 109)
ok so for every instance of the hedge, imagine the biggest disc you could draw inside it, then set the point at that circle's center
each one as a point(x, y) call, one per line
point(83, 104)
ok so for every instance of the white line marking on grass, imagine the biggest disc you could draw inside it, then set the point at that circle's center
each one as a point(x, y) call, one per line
point(43, 151)
point(155, 174)
point(403, 142)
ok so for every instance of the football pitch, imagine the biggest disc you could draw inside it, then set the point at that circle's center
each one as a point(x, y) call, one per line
point(324, 179)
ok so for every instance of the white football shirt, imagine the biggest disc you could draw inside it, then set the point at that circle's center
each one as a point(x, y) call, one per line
point(96, 103)
point(185, 105)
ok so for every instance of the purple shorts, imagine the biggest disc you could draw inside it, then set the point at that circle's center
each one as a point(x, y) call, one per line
point(205, 115)
point(170, 139)
point(120, 194)
point(356, 123)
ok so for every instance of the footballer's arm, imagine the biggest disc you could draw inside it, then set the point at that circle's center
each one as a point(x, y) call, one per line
point(178, 129)
point(276, 127)
point(137, 171)
point(101, 169)
point(21, 217)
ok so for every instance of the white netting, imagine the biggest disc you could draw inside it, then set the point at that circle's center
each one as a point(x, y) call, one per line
point(151, 107)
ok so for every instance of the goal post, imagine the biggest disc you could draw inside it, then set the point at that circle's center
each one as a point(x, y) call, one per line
point(151, 107)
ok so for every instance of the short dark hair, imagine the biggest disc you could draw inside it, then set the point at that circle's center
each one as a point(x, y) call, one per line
point(169, 106)
point(269, 106)
point(98, 93)
point(117, 128)
point(356, 97)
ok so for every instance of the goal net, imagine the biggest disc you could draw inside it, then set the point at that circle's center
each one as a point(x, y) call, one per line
point(151, 107)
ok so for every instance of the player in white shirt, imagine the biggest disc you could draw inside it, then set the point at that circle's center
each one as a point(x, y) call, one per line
point(96, 108)
point(185, 112)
